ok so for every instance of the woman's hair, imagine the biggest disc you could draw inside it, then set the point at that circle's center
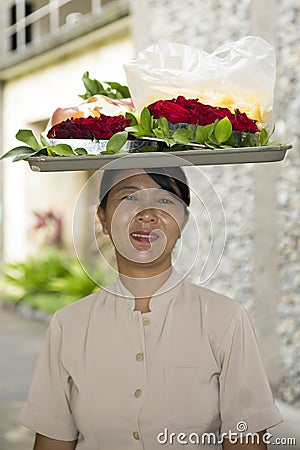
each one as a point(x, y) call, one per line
point(171, 179)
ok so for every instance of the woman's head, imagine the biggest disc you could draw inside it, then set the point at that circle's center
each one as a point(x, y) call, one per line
point(144, 212)
point(171, 179)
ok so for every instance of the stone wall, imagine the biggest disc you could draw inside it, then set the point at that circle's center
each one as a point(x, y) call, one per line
point(207, 25)
point(288, 195)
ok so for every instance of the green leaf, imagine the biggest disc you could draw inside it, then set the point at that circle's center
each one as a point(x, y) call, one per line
point(80, 151)
point(250, 140)
point(61, 150)
point(263, 137)
point(236, 139)
point(44, 141)
point(163, 124)
point(203, 132)
point(176, 148)
point(159, 133)
point(170, 142)
point(147, 148)
point(276, 143)
point(50, 152)
point(201, 135)
point(123, 91)
point(272, 131)
point(134, 129)
point(105, 152)
point(183, 136)
point(130, 116)
point(213, 140)
point(223, 130)
point(29, 138)
point(113, 84)
point(16, 151)
point(93, 87)
point(116, 142)
point(24, 154)
point(138, 131)
point(143, 133)
point(146, 119)
point(210, 144)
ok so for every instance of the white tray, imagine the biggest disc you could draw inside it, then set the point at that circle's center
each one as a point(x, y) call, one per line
point(199, 157)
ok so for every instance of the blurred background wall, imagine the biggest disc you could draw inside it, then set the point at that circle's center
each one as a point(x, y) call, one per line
point(261, 261)
point(46, 46)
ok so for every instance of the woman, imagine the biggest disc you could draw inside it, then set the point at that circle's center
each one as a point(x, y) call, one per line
point(152, 360)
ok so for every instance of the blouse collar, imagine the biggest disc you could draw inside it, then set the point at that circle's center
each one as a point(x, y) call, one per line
point(160, 297)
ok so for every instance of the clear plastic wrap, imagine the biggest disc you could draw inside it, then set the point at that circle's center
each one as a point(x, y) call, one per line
point(239, 75)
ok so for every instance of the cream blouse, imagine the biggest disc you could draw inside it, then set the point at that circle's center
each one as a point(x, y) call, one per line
point(115, 378)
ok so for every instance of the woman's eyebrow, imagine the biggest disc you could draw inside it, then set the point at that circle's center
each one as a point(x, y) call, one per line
point(129, 187)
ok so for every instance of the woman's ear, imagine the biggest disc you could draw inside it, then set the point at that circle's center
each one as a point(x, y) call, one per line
point(102, 219)
point(186, 219)
point(184, 222)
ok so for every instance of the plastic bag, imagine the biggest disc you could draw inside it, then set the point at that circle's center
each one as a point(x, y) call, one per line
point(239, 75)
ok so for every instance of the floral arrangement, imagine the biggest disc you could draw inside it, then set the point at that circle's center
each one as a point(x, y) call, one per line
point(95, 128)
point(108, 114)
point(193, 112)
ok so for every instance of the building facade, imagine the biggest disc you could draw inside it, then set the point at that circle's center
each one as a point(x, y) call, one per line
point(40, 71)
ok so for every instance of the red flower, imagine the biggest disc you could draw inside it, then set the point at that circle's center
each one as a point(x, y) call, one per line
point(172, 111)
point(241, 122)
point(182, 110)
point(103, 127)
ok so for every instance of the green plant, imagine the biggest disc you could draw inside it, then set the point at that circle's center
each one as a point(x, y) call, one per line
point(48, 281)
point(110, 89)
point(48, 303)
point(219, 134)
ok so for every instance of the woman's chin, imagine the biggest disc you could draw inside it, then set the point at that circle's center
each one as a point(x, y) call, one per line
point(141, 251)
point(140, 257)
point(143, 247)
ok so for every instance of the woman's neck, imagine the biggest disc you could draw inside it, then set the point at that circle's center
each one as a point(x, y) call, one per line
point(144, 283)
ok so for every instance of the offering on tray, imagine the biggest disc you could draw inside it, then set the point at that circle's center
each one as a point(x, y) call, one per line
point(229, 110)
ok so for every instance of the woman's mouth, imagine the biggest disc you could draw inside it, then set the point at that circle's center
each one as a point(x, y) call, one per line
point(144, 236)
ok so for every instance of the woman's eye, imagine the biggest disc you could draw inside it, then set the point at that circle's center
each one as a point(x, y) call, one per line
point(165, 201)
point(129, 197)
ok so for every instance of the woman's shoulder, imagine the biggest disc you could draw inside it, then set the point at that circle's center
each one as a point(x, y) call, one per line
point(80, 308)
point(215, 305)
point(220, 313)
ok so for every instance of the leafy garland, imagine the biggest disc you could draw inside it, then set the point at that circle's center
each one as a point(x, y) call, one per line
point(219, 134)
point(215, 135)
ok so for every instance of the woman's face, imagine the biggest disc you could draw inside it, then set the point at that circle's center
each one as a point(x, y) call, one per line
point(143, 220)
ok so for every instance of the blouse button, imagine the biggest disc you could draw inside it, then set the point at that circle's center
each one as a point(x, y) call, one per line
point(139, 356)
point(136, 435)
point(146, 321)
point(137, 393)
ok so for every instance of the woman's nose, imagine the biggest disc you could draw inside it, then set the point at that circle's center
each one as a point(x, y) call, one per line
point(147, 215)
